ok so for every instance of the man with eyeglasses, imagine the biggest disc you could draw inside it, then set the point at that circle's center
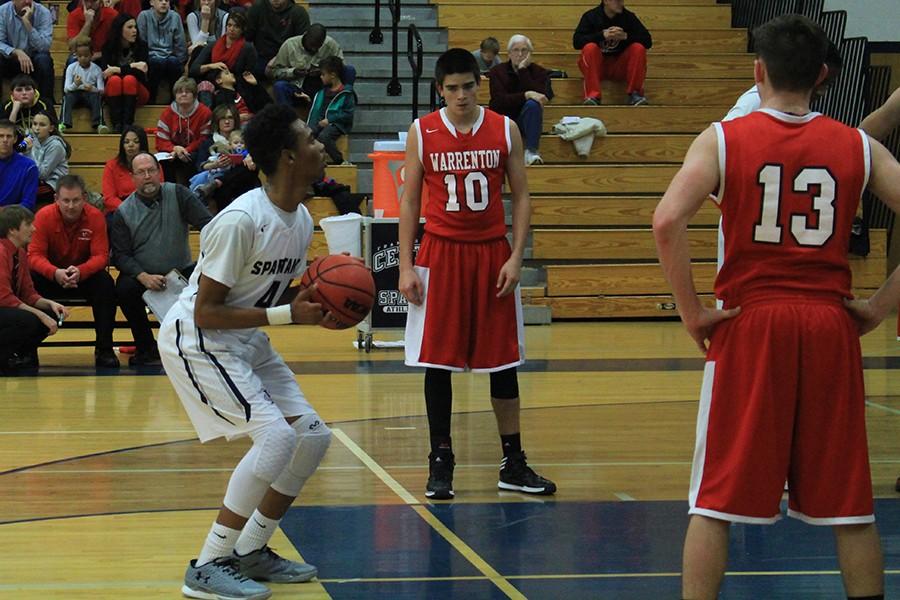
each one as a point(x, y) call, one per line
point(149, 238)
point(519, 90)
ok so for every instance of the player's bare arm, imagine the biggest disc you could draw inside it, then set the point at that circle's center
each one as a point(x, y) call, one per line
point(410, 207)
point(211, 311)
point(882, 121)
point(689, 189)
point(884, 182)
point(511, 271)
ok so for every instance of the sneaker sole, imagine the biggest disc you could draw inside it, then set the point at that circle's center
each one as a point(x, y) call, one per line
point(525, 489)
point(192, 593)
point(436, 496)
point(303, 578)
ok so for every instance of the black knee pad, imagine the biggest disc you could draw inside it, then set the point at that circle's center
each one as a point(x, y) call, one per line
point(505, 384)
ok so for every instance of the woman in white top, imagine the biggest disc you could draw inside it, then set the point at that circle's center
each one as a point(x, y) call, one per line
point(206, 22)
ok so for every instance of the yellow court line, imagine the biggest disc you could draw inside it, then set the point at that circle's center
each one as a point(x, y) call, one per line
point(454, 540)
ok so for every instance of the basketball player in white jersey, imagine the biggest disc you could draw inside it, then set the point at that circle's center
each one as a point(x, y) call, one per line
point(230, 380)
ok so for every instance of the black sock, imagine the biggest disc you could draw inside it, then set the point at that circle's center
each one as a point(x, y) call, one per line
point(511, 443)
point(439, 405)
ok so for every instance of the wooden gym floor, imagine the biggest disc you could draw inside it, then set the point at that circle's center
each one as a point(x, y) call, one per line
point(106, 493)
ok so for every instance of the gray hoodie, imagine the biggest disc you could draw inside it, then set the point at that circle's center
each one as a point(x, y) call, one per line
point(164, 37)
point(51, 158)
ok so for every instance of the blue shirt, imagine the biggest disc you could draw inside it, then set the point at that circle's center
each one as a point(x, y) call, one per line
point(14, 36)
point(18, 180)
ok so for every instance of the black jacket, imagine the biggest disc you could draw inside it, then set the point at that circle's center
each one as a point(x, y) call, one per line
point(593, 22)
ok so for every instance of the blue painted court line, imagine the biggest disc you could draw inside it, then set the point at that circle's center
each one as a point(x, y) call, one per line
point(574, 550)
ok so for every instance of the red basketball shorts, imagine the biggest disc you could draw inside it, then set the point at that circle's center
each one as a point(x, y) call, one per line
point(462, 324)
point(783, 399)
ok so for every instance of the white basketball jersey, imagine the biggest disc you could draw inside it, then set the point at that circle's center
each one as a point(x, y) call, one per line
point(254, 248)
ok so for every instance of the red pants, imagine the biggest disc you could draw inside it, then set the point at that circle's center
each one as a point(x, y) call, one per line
point(630, 66)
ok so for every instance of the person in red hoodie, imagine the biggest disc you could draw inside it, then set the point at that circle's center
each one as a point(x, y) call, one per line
point(181, 128)
point(24, 315)
point(68, 255)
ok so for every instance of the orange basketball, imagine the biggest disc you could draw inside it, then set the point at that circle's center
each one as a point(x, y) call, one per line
point(344, 286)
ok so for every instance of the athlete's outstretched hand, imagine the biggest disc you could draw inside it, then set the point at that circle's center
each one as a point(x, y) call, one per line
point(866, 316)
point(509, 276)
point(701, 325)
point(411, 286)
point(304, 310)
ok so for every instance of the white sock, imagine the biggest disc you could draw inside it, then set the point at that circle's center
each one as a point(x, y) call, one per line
point(256, 534)
point(219, 542)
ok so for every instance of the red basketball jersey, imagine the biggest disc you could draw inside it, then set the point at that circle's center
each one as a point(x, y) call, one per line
point(789, 188)
point(464, 175)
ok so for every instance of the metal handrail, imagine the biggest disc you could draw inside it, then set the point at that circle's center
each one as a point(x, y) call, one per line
point(377, 37)
point(415, 63)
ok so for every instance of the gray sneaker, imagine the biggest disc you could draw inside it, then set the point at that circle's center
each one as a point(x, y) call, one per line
point(265, 565)
point(636, 99)
point(220, 580)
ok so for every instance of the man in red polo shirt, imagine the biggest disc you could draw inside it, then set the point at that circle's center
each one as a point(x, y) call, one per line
point(92, 20)
point(68, 255)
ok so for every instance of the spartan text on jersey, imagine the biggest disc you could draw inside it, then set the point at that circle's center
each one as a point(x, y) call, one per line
point(465, 161)
point(275, 267)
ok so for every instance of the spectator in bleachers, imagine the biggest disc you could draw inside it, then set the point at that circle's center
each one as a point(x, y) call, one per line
point(163, 31)
point(125, 63)
point(519, 90)
point(331, 115)
point(118, 182)
point(50, 152)
point(235, 181)
point(206, 23)
point(149, 238)
point(26, 32)
point(486, 55)
point(24, 318)
point(18, 173)
point(225, 93)
point(296, 67)
point(93, 21)
point(68, 255)
point(83, 86)
point(24, 101)
point(124, 7)
point(234, 53)
point(181, 128)
point(269, 24)
point(613, 44)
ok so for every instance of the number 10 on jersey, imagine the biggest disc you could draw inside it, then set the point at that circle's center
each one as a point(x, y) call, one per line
point(475, 191)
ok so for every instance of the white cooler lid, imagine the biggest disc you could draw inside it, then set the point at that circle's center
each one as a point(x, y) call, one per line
point(390, 146)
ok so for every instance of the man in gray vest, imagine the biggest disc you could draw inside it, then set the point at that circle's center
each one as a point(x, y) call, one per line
point(149, 238)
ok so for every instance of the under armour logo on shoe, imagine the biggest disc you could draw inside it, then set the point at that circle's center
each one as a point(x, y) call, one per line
point(315, 425)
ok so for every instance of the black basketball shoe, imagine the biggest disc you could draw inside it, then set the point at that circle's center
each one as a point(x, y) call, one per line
point(516, 475)
point(440, 475)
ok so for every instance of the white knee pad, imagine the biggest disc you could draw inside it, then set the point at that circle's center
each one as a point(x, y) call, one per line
point(273, 446)
point(314, 438)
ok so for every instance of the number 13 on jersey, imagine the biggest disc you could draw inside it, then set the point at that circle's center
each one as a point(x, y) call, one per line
point(474, 187)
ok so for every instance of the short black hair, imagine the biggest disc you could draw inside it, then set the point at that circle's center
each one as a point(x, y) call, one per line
point(22, 80)
point(334, 65)
point(238, 18)
point(793, 49)
point(142, 143)
point(7, 125)
point(268, 133)
point(12, 217)
point(456, 60)
point(316, 34)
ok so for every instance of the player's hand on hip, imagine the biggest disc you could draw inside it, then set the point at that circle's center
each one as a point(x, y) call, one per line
point(702, 325)
point(865, 315)
point(508, 278)
point(303, 310)
point(411, 286)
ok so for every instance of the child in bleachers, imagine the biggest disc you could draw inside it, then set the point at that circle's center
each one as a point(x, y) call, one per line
point(83, 87)
point(331, 115)
point(226, 94)
point(486, 55)
point(24, 101)
point(223, 156)
point(50, 152)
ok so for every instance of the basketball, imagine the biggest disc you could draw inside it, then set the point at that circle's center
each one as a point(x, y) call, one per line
point(344, 286)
